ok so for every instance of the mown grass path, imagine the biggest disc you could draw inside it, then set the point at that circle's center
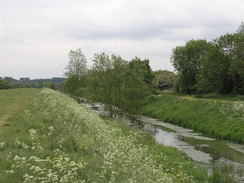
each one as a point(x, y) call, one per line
point(13, 102)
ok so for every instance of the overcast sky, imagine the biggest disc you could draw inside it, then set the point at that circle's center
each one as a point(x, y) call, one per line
point(37, 35)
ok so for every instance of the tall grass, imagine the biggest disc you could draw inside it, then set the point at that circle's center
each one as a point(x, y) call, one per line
point(57, 140)
point(217, 118)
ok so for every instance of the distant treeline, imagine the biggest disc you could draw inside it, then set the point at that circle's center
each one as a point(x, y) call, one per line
point(53, 83)
point(216, 66)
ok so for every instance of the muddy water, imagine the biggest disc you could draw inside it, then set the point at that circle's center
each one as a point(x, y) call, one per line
point(199, 148)
point(194, 145)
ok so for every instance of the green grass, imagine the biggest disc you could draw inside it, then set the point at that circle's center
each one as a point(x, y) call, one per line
point(56, 139)
point(51, 138)
point(221, 117)
point(13, 102)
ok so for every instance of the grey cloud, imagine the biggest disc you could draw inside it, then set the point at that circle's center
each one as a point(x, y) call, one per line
point(41, 32)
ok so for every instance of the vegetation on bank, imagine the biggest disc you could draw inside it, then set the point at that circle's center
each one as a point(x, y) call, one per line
point(215, 66)
point(164, 79)
point(57, 140)
point(125, 86)
point(223, 119)
point(4, 84)
point(121, 85)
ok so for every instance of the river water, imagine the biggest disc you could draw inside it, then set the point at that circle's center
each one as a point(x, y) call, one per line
point(203, 150)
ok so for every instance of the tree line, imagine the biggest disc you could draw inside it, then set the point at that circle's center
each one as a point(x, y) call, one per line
point(215, 66)
point(121, 85)
point(5, 84)
point(10, 83)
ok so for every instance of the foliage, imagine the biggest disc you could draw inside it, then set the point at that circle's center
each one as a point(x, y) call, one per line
point(241, 28)
point(232, 46)
point(185, 60)
point(223, 174)
point(137, 85)
point(77, 64)
point(4, 84)
point(164, 79)
point(55, 83)
point(218, 118)
point(57, 140)
point(75, 71)
point(205, 67)
point(121, 85)
point(213, 72)
point(105, 80)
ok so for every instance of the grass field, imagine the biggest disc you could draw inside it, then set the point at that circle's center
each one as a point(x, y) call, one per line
point(13, 102)
point(48, 137)
point(217, 116)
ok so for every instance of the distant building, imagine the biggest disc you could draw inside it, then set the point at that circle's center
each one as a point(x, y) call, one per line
point(8, 78)
point(24, 80)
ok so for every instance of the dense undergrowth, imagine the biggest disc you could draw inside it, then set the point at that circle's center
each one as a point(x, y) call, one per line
point(57, 140)
point(216, 117)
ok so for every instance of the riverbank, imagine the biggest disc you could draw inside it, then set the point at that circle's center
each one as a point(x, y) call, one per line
point(57, 140)
point(217, 117)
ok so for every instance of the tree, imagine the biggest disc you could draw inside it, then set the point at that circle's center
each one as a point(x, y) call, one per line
point(185, 60)
point(105, 78)
point(164, 79)
point(144, 68)
point(76, 73)
point(213, 73)
point(216, 66)
point(4, 84)
point(77, 64)
point(121, 85)
point(232, 46)
point(137, 85)
point(241, 28)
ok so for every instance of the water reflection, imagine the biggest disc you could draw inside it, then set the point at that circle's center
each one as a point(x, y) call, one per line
point(171, 139)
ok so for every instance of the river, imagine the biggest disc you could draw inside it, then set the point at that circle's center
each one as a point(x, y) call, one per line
point(204, 151)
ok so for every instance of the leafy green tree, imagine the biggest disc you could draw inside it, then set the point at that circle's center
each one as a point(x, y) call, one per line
point(185, 60)
point(232, 46)
point(119, 84)
point(104, 80)
point(216, 66)
point(213, 72)
point(77, 64)
point(76, 73)
point(137, 86)
point(144, 68)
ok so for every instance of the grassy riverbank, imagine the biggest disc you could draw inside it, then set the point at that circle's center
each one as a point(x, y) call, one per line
point(57, 140)
point(216, 116)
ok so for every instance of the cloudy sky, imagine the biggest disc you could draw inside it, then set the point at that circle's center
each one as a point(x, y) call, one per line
point(37, 35)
